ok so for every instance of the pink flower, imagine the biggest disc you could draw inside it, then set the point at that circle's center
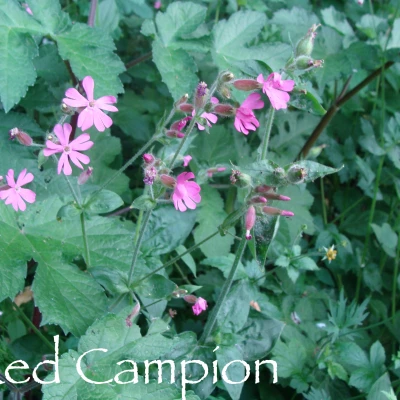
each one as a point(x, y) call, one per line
point(157, 5)
point(27, 9)
point(91, 114)
point(68, 150)
point(245, 119)
point(209, 117)
point(186, 160)
point(14, 194)
point(276, 89)
point(200, 306)
point(186, 194)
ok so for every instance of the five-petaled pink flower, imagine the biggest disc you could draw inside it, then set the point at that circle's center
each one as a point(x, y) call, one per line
point(245, 119)
point(275, 88)
point(91, 114)
point(14, 194)
point(186, 193)
point(200, 306)
point(68, 150)
point(209, 117)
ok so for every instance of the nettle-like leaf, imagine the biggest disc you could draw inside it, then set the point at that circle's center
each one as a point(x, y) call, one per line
point(232, 36)
point(90, 51)
point(174, 27)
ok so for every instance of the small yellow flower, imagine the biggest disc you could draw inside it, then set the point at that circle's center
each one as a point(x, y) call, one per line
point(330, 254)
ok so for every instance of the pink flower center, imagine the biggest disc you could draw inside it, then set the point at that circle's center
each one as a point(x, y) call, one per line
point(92, 103)
point(17, 188)
point(67, 149)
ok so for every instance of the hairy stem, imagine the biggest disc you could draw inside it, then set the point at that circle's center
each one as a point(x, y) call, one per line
point(138, 60)
point(267, 134)
point(85, 240)
point(92, 13)
point(224, 292)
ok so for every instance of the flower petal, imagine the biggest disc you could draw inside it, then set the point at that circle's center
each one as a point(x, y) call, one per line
point(24, 178)
point(59, 131)
point(28, 195)
point(10, 178)
point(85, 119)
point(75, 99)
point(88, 85)
point(101, 120)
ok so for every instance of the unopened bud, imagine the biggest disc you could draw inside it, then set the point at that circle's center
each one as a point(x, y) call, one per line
point(168, 181)
point(201, 95)
point(276, 211)
point(85, 175)
point(182, 100)
point(180, 124)
point(244, 180)
point(279, 173)
point(175, 134)
point(276, 196)
point(22, 137)
point(258, 200)
point(224, 90)
point(296, 174)
point(186, 108)
point(190, 298)
point(212, 171)
point(133, 314)
point(179, 293)
point(247, 84)
point(148, 158)
point(306, 44)
point(67, 109)
point(225, 110)
point(250, 221)
point(263, 188)
point(226, 76)
point(150, 174)
point(303, 62)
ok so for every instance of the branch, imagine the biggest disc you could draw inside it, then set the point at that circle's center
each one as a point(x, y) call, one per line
point(336, 106)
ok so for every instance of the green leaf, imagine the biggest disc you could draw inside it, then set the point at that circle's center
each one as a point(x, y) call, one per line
point(312, 170)
point(394, 41)
point(108, 16)
point(90, 52)
point(144, 203)
point(224, 264)
point(155, 287)
point(387, 238)
point(209, 216)
point(307, 102)
point(139, 7)
point(179, 20)
point(338, 21)
point(187, 259)
point(177, 69)
point(102, 202)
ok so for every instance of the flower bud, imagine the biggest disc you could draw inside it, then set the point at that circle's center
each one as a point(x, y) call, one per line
point(226, 76)
point(179, 293)
point(201, 95)
point(182, 100)
point(225, 110)
point(175, 134)
point(276, 211)
point(212, 171)
point(67, 109)
point(148, 158)
point(180, 124)
point(85, 175)
point(22, 137)
point(250, 221)
point(239, 179)
point(186, 108)
point(263, 188)
point(150, 174)
point(247, 84)
point(296, 174)
point(276, 196)
point(133, 314)
point(258, 199)
point(306, 44)
point(168, 181)
point(190, 298)
point(224, 90)
point(280, 173)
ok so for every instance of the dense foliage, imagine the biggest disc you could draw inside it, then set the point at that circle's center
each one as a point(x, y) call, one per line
point(196, 123)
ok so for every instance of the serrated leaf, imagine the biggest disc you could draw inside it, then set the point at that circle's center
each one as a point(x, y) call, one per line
point(224, 264)
point(177, 69)
point(90, 51)
point(102, 202)
point(155, 287)
point(313, 170)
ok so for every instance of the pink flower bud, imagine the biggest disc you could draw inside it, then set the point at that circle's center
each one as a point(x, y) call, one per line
point(277, 211)
point(85, 175)
point(133, 314)
point(186, 108)
point(201, 93)
point(250, 221)
point(186, 160)
point(179, 125)
point(175, 134)
point(225, 110)
point(168, 181)
point(258, 199)
point(200, 306)
point(67, 109)
point(190, 298)
point(263, 188)
point(150, 174)
point(148, 158)
point(247, 84)
point(157, 5)
point(276, 196)
point(22, 137)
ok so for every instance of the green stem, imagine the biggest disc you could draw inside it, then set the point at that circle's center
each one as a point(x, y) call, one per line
point(33, 327)
point(354, 205)
point(267, 134)
point(85, 240)
point(224, 292)
point(138, 243)
point(395, 273)
point(116, 302)
point(138, 225)
point(74, 195)
point(170, 262)
point(323, 202)
point(184, 277)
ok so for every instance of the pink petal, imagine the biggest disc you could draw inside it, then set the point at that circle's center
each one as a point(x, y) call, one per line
point(253, 102)
point(50, 152)
point(24, 178)
point(88, 85)
point(195, 197)
point(81, 143)
point(181, 206)
point(186, 160)
point(214, 100)
point(107, 107)
point(200, 127)
point(76, 157)
point(4, 194)
point(28, 195)
point(67, 132)
point(190, 203)
point(10, 178)
point(20, 203)
point(54, 146)
point(287, 85)
point(278, 98)
point(211, 117)
point(102, 119)
point(260, 79)
point(75, 98)
point(85, 119)
point(63, 164)
point(58, 130)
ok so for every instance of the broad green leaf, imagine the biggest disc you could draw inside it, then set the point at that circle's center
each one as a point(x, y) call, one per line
point(312, 170)
point(167, 229)
point(139, 7)
point(338, 21)
point(102, 202)
point(155, 287)
point(179, 20)
point(394, 41)
point(235, 372)
point(108, 16)
point(307, 102)
point(224, 264)
point(209, 216)
point(291, 358)
point(177, 69)
point(387, 238)
point(91, 52)
point(187, 259)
